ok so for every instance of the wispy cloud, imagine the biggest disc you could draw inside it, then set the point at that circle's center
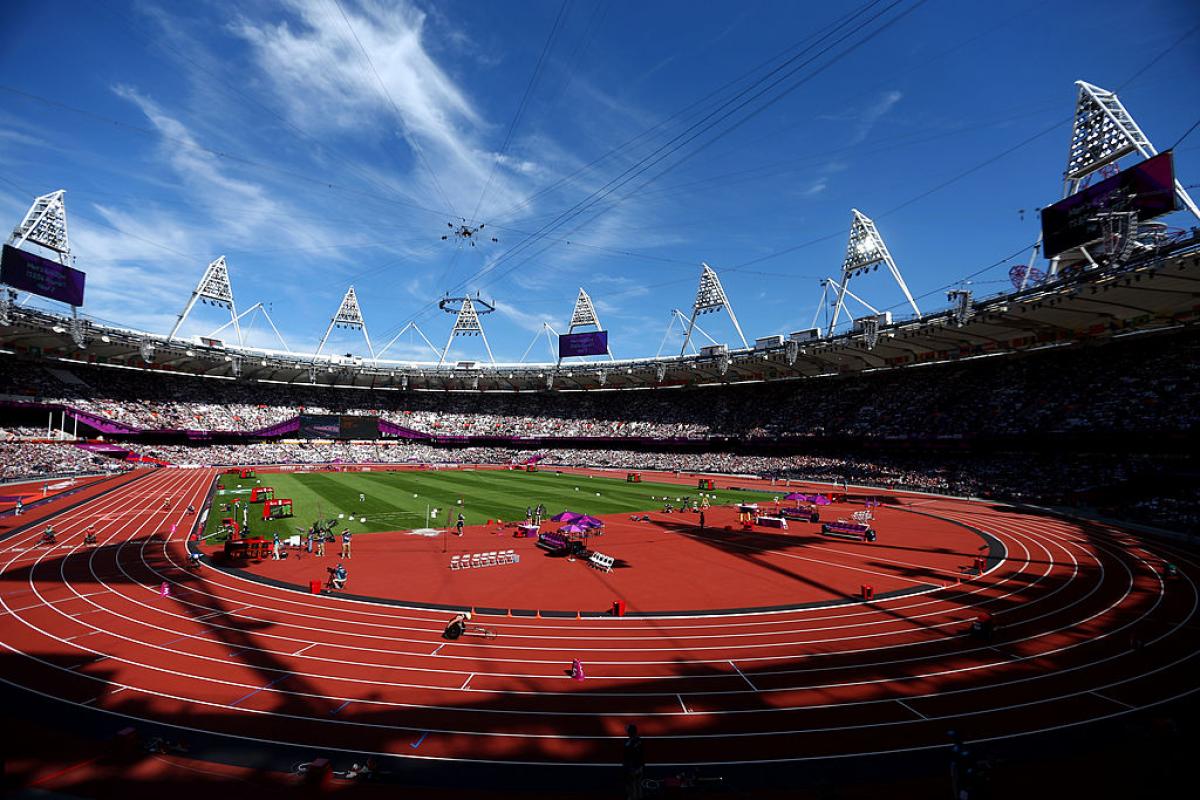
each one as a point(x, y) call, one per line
point(316, 64)
point(870, 116)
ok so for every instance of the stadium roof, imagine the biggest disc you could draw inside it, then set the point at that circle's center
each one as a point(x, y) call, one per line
point(1155, 293)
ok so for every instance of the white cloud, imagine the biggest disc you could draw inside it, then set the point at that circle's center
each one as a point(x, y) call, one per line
point(871, 115)
point(319, 72)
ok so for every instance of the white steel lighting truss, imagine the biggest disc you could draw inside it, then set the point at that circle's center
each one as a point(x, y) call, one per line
point(407, 327)
point(466, 322)
point(864, 250)
point(710, 297)
point(45, 224)
point(1103, 132)
point(215, 289)
point(248, 312)
point(584, 316)
point(348, 316)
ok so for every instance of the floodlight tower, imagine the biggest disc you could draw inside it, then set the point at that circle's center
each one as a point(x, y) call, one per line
point(214, 288)
point(44, 224)
point(866, 249)
point(1103, 133)
point(710, 297)
point(584, 316)
point(467, 311)
point(348, 316)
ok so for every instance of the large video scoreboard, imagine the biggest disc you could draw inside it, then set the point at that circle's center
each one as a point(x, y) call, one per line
point(339, 426)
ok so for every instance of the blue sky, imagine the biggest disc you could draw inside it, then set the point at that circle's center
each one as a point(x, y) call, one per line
point(262, 132)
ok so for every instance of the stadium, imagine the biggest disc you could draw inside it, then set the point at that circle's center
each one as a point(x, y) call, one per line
point(931, 544)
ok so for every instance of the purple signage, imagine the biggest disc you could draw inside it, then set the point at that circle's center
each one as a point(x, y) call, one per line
point(594, 343)
point(1147, 188)
point(30, 273)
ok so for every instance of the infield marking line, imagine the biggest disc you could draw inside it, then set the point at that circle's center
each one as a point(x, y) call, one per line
point(910, 708)
point(739, 672)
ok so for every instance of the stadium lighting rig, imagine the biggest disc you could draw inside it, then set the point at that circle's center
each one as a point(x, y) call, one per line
point(710, 297)
point(44, 225)
point(467, 311)
point(349, 317)
point(214, 289)
point(865, 252)
point(1103, 132)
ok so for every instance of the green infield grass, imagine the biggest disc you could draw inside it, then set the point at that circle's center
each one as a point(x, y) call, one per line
point(401, 500)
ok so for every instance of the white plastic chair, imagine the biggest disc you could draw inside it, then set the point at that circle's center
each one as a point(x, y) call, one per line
point(455, 562)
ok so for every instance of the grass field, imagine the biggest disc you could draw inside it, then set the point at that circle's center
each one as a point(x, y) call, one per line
point(400, 500)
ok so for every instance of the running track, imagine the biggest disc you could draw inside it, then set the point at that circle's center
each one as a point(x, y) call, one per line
point(1088, 630)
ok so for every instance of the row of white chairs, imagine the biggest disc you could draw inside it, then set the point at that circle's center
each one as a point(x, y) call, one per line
point(492, 559)
point(601, 561)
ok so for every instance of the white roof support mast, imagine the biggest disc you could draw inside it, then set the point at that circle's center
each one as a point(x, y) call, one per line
point(348, 316)
point(865, 249)
point(710, 297)
point(214, 288)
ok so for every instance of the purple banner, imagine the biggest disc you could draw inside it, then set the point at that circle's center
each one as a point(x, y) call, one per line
point(594, 343)
point(30, 273)
point(1147, 188)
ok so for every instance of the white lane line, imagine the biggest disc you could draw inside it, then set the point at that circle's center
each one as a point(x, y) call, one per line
point(439, 647)
point(739, 672)
point(1114, 700)
point(910, 708)
point(305, 649)
point(468, 680)
point(681, 705)
point(81, 635)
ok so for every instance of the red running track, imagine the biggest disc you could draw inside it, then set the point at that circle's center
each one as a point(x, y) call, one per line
point(1088, 629)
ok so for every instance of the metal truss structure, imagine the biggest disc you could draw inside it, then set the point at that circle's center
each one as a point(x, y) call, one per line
point(411, 326)
point(348, 316)
point(215, 289)
point(547, 331)
point(1103, 132)
point(584, 316)
point(678, 316)
point(248, 312)
point(865, 250)
point(466, 321)
point(710, 297)
point(45, 224)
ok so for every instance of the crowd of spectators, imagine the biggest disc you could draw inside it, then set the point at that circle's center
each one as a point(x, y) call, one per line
point(1150, 384)
point(25, 460)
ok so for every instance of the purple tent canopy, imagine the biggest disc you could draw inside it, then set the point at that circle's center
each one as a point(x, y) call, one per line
point(566, 516)
point(819, 499)
point(573, 528)
point(589, 522)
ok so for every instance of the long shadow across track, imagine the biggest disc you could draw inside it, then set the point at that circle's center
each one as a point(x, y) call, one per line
point(1088, 628)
